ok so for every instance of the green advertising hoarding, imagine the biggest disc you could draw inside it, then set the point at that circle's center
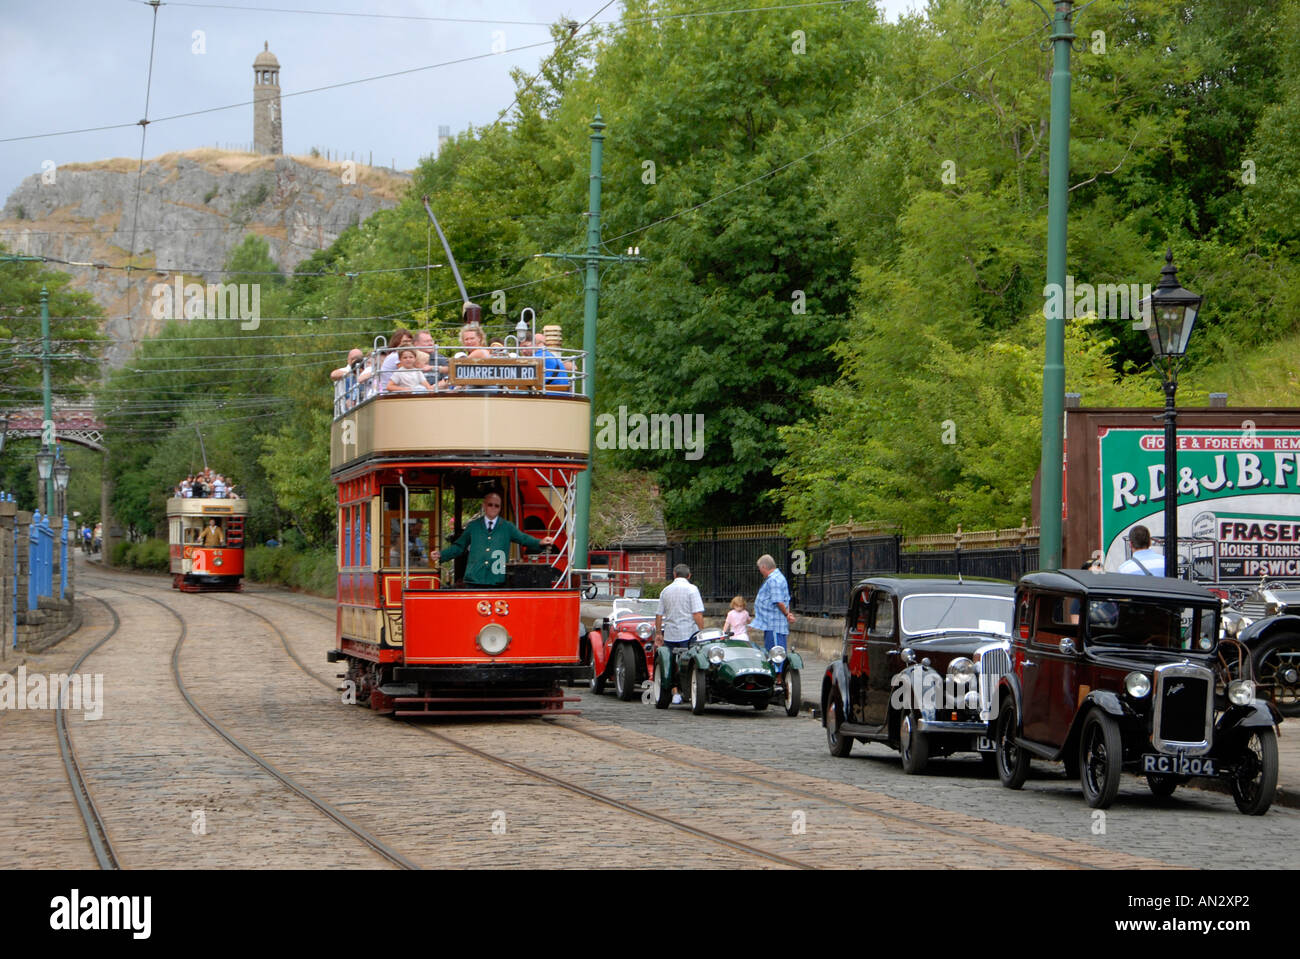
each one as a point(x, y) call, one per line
point(1238, 498)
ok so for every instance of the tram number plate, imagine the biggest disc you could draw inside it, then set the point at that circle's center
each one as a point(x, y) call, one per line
point(1178, 765)
point(985, 745)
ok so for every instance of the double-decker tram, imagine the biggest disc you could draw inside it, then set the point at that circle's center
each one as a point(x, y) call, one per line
point(422, 469)
point(206, 539)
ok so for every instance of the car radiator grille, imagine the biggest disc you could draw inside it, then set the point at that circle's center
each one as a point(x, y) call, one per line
point(1182, 714)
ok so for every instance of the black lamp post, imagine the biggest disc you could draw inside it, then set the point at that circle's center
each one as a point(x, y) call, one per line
point(1169, 314)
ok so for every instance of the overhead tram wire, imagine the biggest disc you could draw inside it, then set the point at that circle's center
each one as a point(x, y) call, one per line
point(835, 141)
point(139, 173)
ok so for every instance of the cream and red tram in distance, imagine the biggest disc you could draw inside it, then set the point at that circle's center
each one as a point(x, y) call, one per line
point(412, 470)
point(202, 561)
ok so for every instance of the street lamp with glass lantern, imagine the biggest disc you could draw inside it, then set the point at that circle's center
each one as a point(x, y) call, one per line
point(61, 473)
point(1169, 314)
point(45, 469)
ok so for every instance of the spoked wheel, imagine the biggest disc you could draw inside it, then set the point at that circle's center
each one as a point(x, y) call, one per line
point(1012, 761)
point(793, 694)
point(912, 744)
point(699, 690)
point(1100, 759)
point(1164, 784)
point(625, 672)
point(838, 744)
point(1277, 669)
point(1255, 784)
point(660, 691)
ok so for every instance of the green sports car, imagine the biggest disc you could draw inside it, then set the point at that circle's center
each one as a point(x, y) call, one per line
point(720, 668)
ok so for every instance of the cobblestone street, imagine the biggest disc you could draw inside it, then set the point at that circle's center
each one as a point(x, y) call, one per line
point(622, 785)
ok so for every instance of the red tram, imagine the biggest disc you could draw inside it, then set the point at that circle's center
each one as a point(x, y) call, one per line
point(206, 540)
point(412, 470)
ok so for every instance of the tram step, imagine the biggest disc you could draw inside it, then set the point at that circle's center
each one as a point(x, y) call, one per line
point(404, 700)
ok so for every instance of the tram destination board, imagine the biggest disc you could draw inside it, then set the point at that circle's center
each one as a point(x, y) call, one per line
point(522, 373)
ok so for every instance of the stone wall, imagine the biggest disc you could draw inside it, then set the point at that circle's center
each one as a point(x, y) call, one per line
point(52, 618)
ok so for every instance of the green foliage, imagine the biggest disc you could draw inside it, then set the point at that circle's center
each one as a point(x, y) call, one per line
point(149, 554)
point(845, 249)
point(313, 571)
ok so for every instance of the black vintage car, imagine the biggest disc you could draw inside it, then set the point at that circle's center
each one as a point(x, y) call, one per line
point(920, 661)
point(1114, 673)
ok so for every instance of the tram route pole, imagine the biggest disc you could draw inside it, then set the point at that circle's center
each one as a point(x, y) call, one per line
point(592, 259)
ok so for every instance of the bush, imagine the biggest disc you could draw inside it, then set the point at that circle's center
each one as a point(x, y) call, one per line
point(151, 554)
point(652, 590)
point(312, 571)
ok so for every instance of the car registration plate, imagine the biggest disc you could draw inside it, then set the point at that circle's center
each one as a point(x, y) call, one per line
point(1178, 765)
point(985, 745)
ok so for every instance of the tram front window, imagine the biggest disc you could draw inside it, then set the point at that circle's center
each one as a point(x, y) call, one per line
point(421, 518)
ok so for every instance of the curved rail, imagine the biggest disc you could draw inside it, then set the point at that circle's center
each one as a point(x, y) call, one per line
point(96, 828)
point(392, 855)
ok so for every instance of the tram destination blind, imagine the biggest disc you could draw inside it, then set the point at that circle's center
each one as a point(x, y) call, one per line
point(521, 373)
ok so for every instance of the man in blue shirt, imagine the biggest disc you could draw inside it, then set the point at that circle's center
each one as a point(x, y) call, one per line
point(772, 605)
point(554, 372)
point(1145, 560)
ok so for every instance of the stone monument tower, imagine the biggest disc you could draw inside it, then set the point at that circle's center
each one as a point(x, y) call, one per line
point(267, 137)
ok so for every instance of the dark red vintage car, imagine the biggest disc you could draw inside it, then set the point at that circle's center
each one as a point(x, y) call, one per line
point(1115, 673)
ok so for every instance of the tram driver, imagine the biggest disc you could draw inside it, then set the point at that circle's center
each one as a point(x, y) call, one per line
point(486, 541)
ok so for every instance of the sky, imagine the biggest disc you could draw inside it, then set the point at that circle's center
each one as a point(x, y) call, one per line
point(67, 65)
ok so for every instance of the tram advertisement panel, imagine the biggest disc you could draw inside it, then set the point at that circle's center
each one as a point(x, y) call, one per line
point(1238, 497)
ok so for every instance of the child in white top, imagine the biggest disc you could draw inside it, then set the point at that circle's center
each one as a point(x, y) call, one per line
point(738, 619)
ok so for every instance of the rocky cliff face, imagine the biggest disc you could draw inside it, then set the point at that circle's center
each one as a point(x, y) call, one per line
point(194, 208)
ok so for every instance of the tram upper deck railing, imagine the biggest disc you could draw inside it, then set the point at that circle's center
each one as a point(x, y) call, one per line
point(493, 407)
point(554, 372)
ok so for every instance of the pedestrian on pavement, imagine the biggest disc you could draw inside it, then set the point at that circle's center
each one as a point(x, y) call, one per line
point(737, 619)
point(772, 605)
point(1145, 561)
point(681, 614)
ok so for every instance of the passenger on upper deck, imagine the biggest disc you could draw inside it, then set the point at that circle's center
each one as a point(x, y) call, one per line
point(475, 343)
point(555, 374)
point(401, 337)
point(406, 378)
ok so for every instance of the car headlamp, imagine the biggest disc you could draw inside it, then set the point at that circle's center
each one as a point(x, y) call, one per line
point(716, 654)
point(644, 630)
point(493, 639)
point(1137, 684)
point(777, 654)
point(1241, 692)
point(961, 670)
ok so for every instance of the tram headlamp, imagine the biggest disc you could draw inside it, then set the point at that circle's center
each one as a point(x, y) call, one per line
point(217, 561)
point(644, 630)
point(777, 654)
point(1241, 692)
point(493, 639)
point(716, 654)
point(1137, 684)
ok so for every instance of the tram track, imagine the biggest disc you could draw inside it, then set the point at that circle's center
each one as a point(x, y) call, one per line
point(332, 812)
point(101, 843)
point(557, 723)
point(895, 819)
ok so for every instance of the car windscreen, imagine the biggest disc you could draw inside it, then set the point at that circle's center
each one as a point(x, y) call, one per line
point(630, 608)
point(947, 612)
point(1158, 625)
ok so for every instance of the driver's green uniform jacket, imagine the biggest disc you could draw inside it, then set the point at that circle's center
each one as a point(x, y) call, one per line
point(487, 550)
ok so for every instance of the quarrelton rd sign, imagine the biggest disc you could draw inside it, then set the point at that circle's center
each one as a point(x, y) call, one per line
point(499, 371)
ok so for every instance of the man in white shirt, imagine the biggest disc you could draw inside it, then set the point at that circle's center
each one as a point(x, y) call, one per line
point(681, 613)
point(1145, 561)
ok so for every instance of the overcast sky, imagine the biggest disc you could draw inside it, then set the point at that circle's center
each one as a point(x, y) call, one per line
point(73, 64)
